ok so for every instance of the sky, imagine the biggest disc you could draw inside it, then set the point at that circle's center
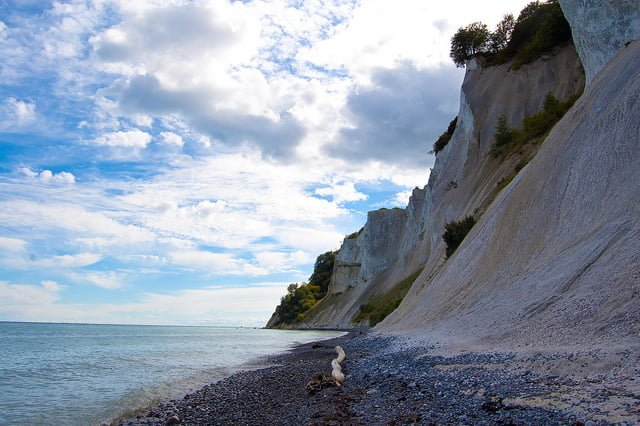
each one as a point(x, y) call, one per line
point(183, 161)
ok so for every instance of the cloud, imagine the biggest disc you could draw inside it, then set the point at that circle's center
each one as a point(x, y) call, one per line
point(13, 255)
point(14, 245)
point(170, 138)
point(211, 93)
point(215, 263)
point(381, 34)
point(310, 240)
point(47, 176)
point(235, 201)
point(223, 30)
point(401, 199)
point(274, 261)
point(194, 61)
point(42, 220)
point(245, 305)
point(66, 261)
point(135, 139)
point(396, 119)
point(15, 295)
point(342, 192)
point(17, 114)
point(275, 132)
point(107, 280)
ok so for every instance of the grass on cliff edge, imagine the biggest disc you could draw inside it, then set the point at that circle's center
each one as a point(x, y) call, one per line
point(379, 307)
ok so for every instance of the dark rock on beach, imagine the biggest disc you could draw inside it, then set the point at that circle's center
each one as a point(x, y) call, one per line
point(386, 384)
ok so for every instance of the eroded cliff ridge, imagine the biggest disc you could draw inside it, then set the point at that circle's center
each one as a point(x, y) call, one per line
point(396, 243)
point(555, 254)
point(601, 28)
point(556, 257)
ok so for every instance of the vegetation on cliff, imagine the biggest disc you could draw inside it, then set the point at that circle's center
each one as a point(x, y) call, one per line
point(455, 231)
point(444, 138)
point(302, 297)
point(534, 127)
point(380, 307)
point(540, 27)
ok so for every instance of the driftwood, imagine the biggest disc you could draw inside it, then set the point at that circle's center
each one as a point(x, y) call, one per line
point(337, 373)
point(320, 381)
point(323, 380)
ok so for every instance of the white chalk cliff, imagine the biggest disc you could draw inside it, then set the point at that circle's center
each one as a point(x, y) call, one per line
point(601, 28)
point(555, 255)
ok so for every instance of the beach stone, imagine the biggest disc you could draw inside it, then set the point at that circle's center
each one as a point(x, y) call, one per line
point(173, 420)
point(437, 399)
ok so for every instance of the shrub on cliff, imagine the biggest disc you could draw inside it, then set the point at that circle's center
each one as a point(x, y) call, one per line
point(534, 127)
point(455, 231)
point(504, 137)
point(444, 138)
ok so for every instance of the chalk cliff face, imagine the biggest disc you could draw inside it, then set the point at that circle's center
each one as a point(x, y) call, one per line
point(555, 255)
point(601, 28)
point(395, 243)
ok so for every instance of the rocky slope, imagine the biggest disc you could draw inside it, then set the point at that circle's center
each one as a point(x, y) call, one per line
point(601, 28)
point(395, 243)
point(560, 247)
point(555, 255)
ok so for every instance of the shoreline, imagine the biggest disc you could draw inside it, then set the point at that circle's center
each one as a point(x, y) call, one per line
point(392, 382)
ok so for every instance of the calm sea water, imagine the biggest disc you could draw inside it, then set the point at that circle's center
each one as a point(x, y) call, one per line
point(82, 374)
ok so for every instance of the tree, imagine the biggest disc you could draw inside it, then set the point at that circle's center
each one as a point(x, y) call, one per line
point(530, 10)
point(499, 39)
point(504, 135)
point(469, 41)
point(322, 271)
point(302, 297)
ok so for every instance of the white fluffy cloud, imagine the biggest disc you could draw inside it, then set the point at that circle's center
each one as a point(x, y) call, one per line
point(342, 192)
point(47, 176)
point(171, 138)
point(16, 114)
point(135, 139)
point(401, 199)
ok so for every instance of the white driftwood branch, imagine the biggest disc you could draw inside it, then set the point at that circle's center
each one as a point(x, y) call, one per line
point(335, 364)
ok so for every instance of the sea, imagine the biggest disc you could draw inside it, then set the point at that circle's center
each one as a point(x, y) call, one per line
point(87, 374)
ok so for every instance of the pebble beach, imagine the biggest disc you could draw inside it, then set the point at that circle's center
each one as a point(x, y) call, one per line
point(389, 383)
